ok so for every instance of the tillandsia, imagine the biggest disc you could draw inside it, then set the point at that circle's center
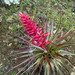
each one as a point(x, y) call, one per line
point(46, 52)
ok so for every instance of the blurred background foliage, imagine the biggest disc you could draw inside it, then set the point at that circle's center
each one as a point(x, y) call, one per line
point(62, 11)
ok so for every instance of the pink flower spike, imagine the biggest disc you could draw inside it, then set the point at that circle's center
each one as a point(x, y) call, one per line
point(20, 14)
point(39, 38)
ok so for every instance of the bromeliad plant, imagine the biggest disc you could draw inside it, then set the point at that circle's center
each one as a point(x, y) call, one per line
point(45, 53)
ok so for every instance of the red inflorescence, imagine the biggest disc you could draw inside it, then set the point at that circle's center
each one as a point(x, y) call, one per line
point(39, 38)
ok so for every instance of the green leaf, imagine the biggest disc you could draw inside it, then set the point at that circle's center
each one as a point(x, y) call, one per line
point(63, 67)
point(29, 67)
point(57, 67)
point(1, 73)
point(15, 28)
point(15, 43)
point(49, 64)
point(38, 47)
point(13, 73)
point(63, 52)
point(53, 68)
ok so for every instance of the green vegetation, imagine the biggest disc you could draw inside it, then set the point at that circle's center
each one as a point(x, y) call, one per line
point(62, 12)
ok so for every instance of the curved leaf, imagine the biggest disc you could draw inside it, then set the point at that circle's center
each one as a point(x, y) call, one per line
point(63, 52)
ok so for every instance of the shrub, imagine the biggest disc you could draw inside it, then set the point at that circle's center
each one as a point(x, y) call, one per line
point(46, 50)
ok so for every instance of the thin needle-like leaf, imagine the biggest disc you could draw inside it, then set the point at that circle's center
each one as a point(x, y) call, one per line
point(61, 64)
point(22, 56)
point(41, 66)
point(64, 45)
point(52, 26)
point(65, 58)
point(20, 64)
point(61, 38)
point(57, 67)
point(29, 67)
point(56, 32)
point(24, 52)
point(24, 40)
point(49, 64)
point(25, 66)
point(63, 52)
point(37, 65)
point(46, 27)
